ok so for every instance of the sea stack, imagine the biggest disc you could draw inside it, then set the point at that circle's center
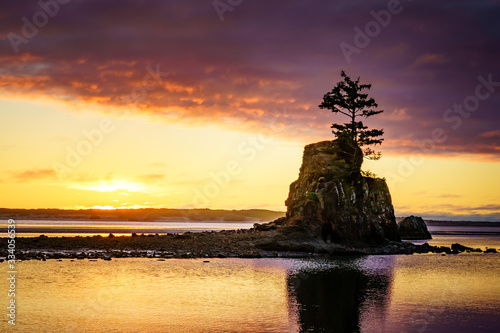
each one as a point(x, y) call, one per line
point(331, 199)
point(413, 228)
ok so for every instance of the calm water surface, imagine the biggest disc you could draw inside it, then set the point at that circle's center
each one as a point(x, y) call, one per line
point(414, 293)
point(419, 293)
point(58, 228)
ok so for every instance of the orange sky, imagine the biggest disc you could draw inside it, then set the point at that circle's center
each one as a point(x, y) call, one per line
point(116, 104)
point(60, 157)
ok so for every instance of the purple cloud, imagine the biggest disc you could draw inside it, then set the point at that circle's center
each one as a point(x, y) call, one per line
point(267, 56)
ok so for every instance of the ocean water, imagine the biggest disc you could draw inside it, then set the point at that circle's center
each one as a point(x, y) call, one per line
point(400, 293)
point(419, 293)
point(58, 228)
point(475, 237)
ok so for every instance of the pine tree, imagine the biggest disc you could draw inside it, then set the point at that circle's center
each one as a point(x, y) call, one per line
point(348, 99)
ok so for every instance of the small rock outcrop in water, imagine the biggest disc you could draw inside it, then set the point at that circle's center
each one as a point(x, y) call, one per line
point(333, 201)
point(413, 227)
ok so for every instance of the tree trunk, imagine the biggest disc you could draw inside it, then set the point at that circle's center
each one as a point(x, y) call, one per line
point(353, 127)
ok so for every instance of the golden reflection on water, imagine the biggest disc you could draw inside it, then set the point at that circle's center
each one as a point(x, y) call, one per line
point(419, 293)
point(144, 295)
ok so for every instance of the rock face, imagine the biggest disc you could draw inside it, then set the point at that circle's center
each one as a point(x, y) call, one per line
point(413, 227)
point(332, 201)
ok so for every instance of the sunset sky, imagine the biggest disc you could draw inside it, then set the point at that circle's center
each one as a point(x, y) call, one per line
point(185, 104)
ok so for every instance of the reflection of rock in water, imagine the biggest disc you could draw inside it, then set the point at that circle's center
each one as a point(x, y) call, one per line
point(339, 299)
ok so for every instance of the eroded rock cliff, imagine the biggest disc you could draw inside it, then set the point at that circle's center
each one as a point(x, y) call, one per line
point(331, 200)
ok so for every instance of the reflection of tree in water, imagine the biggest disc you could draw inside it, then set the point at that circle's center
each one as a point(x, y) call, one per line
point(340, 298)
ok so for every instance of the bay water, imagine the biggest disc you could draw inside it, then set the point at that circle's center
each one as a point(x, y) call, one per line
point(398, 293)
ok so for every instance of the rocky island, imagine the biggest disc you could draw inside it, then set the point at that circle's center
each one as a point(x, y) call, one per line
point(412, 228)
point(331, 209)
point(333, 201)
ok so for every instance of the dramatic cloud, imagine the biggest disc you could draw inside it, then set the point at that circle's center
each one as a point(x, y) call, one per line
point(178, 61)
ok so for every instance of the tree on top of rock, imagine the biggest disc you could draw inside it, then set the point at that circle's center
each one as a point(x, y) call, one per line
point(347, 98)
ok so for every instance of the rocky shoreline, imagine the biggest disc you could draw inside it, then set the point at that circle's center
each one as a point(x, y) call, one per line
point(250, 243)
point(332, 209)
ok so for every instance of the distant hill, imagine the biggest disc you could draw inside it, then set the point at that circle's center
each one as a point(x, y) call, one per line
point(462, 223)
point(144, 214)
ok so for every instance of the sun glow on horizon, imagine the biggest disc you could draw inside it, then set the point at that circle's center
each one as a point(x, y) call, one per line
point(103, 207)
point(109, 207)
point(111, 186)
point(172, 166)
